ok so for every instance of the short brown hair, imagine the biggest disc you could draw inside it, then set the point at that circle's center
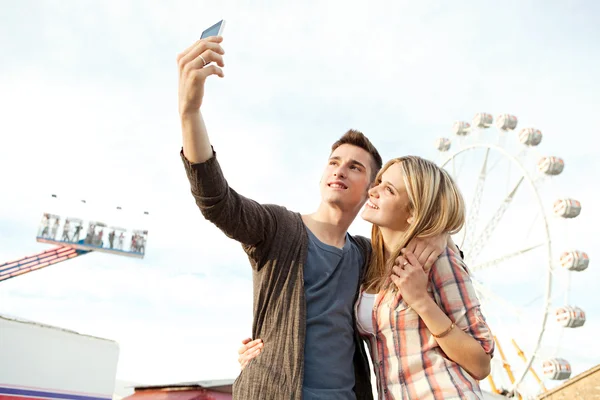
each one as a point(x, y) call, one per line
point(358, 139)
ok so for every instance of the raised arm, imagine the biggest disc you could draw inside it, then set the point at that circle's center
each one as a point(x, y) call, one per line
point(238, 217)
point(196, 63)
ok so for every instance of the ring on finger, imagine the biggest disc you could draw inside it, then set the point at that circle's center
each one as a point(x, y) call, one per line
point(203, 60)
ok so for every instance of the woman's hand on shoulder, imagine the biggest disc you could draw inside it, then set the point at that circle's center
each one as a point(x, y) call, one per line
point(411, 279)
point(249, 350)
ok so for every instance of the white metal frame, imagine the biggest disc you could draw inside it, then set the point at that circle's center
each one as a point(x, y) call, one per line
point(493, 223)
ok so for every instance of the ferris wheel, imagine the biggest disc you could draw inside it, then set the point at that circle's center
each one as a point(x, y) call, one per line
point(518, 247)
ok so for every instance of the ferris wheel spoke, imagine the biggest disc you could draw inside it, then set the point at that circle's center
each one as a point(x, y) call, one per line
point(535, 218)
point(495, 164)
point(534, 300)
point(454, 167)
point(489, 295)
point(474, 209)
point(508, 175)
point(463, 161)
point(491, 226)
point(561, 297)
point(567, 288)
point(492, 263)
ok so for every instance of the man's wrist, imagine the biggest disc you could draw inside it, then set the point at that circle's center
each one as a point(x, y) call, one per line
point(189, 115)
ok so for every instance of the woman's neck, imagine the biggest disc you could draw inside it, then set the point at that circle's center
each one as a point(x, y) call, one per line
point(392, 240)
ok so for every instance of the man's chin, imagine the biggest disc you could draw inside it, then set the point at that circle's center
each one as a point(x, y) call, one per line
point(336, 200)
point(333, 200)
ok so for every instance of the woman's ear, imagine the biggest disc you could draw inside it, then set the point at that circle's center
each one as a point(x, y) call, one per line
point(410, 220)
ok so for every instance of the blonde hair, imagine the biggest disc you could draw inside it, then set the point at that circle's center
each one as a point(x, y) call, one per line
point(436, 206)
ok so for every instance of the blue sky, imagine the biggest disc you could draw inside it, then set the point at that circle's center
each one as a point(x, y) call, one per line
point(89, 110)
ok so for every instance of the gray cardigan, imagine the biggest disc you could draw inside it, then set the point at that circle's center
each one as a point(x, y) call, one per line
point(276, 243)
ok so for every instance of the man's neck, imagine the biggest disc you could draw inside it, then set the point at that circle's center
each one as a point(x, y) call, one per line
point(330, 224)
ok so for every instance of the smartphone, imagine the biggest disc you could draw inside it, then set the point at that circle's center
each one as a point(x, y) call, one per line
point(215, 30)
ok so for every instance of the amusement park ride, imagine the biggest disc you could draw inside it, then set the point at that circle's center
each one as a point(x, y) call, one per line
point(44, 361)
point(75, 237)
point(517, 244)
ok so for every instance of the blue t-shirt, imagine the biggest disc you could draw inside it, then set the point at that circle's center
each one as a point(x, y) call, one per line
point(330, 282)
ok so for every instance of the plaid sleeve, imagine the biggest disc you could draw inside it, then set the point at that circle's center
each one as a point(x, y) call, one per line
point(453, 291)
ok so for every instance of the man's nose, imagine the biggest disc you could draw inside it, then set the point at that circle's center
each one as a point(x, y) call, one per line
point(339, 173)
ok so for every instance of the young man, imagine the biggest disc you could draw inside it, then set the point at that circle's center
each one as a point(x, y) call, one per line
point(306, 268)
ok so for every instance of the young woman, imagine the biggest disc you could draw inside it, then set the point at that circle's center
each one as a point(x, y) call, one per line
point(425, 331)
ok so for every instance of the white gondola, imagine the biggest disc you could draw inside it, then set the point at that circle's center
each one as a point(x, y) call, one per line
point(551, 165)
point(442, 144)
point(557, 369)
point(574, 260)
point(461, 128)
point(530, 136)
point(567, 208)
point(483, 120)
point(506, 122)
point(570, 317)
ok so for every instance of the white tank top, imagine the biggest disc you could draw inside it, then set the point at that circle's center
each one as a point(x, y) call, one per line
point(364, 313)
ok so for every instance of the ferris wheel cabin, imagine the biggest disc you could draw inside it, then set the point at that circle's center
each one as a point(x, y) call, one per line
point(551, 165)
point(506, 122)
point(483, 120)
point(574, 260)
point(557, 369)
point(442, 144)
point(570, 317)
point(530, 137)
point(461, 128)
point(567, 208)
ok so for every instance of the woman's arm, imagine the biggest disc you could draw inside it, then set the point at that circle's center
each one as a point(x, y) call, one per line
point(249, 350)
point(457, 323)
point(459, 346)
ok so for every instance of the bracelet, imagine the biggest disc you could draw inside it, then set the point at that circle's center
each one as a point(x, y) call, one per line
point(447, 331)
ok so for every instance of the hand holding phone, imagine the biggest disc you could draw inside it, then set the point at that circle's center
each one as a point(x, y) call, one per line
point(215, 30)
point(198, 62)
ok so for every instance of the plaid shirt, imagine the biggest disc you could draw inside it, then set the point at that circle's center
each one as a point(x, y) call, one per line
point(408, 362)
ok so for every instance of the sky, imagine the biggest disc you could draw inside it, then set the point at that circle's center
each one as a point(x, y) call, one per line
point(88, 100)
